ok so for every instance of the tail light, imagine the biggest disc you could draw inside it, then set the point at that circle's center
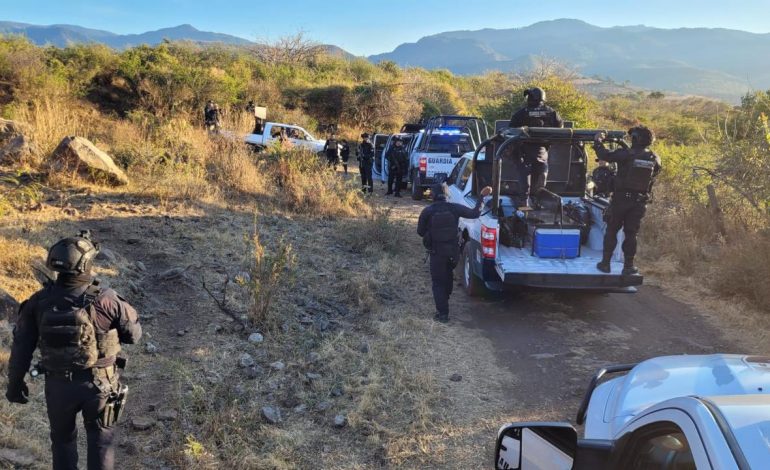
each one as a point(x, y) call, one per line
point(423, 164)
point(488, 242)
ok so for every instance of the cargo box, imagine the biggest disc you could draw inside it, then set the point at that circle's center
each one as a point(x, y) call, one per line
point(556, 242)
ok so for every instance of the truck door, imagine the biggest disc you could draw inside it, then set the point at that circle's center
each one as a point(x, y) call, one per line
point(378, 171)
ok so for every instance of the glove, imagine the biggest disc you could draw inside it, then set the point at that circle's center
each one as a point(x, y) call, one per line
point(17, 393)
point(599, 137)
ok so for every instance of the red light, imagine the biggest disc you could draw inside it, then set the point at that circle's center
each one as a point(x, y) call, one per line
point(423, 164)
point(488, 242)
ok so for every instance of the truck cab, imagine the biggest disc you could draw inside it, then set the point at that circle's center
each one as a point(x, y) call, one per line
point(438, 148)
point(554, 244)
point(674, 412)
point(296, 135)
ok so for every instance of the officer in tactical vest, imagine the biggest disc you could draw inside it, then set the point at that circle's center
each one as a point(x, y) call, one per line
point(533, 169)
point(632, 187)
point(78, 327)
point(437, 226)
point(332, 150)
point(398, 165)
point(365, 161)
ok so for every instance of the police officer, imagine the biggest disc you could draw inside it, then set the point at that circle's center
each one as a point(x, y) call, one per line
point(78, 326)
point(345, 154)
point(437, 226)
point(637, 168)
point(365, 161)
point(332, 149)
point(533, 168)
point(211, 116)
point(398, 165)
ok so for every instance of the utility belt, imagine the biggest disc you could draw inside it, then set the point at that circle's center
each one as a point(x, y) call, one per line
point(634, 196)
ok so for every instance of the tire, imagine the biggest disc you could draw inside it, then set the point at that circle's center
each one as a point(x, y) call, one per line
point(472, 284)
point(417, 191)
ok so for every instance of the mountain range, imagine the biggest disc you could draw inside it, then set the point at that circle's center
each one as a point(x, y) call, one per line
point(718, 63)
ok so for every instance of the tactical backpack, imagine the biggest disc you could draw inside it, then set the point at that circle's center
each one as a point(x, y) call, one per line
point(443, 228)
point(69, 340)
point(638, 176)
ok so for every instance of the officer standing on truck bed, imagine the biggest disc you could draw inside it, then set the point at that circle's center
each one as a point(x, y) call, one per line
point(365, 161)
point(438, 228)
point(637, 169)
point(398, 164)
point(78, 326)
point(533, 169)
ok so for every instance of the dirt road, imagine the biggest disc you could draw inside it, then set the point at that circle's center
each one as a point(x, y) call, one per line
point(544, 347)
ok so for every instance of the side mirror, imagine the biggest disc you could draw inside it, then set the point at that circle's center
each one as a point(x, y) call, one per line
point(536, 446)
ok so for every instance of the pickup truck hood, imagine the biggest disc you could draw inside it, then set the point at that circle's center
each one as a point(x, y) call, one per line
point(619, 400)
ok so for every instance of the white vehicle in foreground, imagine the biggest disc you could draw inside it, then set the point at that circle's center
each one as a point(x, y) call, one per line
point(299, 137)
point(668, 413)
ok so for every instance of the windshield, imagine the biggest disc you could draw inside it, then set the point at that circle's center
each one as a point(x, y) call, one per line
point(450, 143)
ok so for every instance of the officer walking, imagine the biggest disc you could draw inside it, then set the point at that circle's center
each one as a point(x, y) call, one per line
point(78, 326)
point(437, 226)
point(345, 155)
point(332, 149)
point(533, 169)
point(398, 165)
point(365, 161)
point(637, 169)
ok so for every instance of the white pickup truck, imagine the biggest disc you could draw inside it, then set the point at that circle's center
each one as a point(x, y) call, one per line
point(299, 137)
point(437, 148)
point(553, 245)
point(697, 412)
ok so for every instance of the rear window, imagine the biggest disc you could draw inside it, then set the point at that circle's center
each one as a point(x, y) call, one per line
point(450, 143)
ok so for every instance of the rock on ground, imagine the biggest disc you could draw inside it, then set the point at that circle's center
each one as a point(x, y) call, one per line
point(17, 458)
point(272, 415)
point(80, 155)
point(340, 421)
point(17, 149)
point(9, 307)
point(246, 360)
point(255, 338)
point(142, 423)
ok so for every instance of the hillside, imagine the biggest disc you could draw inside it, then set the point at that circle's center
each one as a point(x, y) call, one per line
point(62, 35)
point(720, 63)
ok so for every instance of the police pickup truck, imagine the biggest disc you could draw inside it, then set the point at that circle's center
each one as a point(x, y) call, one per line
point(439, 146)
point(299, 137)
point(555, 244)
point(668, 413)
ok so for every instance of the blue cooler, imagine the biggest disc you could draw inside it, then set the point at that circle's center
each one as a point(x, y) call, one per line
point(563, 243)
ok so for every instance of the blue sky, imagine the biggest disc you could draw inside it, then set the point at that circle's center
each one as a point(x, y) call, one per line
point(369, 27)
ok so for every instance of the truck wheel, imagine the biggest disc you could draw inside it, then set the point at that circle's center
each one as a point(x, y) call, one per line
point(417, 190)
point(473, 285)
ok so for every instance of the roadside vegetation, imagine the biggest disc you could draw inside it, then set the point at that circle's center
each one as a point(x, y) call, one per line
point(290, 249)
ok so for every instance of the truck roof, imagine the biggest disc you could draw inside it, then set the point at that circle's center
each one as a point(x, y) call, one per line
point(663, 378)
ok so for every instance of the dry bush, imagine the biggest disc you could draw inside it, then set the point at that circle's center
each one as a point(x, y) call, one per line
point(743, 270)
point(270, 274)
point(305, 185)
point(376, 233)
point(232, 166)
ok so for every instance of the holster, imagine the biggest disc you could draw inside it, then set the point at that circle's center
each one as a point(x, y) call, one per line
point(113, 409)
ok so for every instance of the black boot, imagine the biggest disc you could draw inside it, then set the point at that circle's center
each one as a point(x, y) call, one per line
point(604, 265)
point(629, 269)
point(441, 318)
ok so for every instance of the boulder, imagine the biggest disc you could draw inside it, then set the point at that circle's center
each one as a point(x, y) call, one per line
point(9, 129)
point(17, 149)
point(9, 307)
point(78, 154)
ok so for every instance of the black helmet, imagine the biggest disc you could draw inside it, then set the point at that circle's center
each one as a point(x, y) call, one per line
point(438, 191)
point(365, 135)
point(641, 136)
point(535, 95)
point(73, 255)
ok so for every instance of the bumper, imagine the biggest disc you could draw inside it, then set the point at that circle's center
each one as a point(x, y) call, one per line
point(594, 282)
